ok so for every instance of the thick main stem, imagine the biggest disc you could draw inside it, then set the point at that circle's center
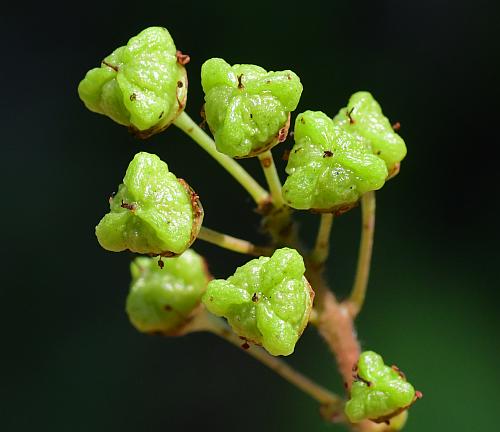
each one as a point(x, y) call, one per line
point(322, 246)
point(232, 243)
point(337, 328)
point(334, 323)
point(358, 292)
point(317, 392)
point(187, 125)
point(273, 180)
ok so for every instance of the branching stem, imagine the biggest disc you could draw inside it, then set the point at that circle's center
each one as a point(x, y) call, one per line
point(186, 124)
point(358, 293)
point(232, 243)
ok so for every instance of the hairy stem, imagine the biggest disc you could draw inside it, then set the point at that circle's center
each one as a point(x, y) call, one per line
point(186, 124)
point(209, 322)
point(358, 292)
point(322, 246)
point(334, 324)
point(273, 180)
point(232, 243)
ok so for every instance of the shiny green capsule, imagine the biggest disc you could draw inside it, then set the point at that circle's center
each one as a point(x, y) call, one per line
point(141, 85)
point(162, 299)
point(246, 107)
point(153, 211)
point(267, 301)
point(329, 167)
point(364, 116)
point(378, 392)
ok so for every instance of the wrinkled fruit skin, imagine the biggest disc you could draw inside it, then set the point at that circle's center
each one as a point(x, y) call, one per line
point(267, 301)
point(329, 167)
point(140, 85)
point(162, 299)
point(246, 107)
point(364, 116)
point(378, 392)
point(153, 212)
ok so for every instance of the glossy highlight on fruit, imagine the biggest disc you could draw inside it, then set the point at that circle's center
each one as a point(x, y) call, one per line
point(163, 299)
point(329, 167)
point(153, 212)
point(364, 116)
point(246, 107)
point(141, 85)
point(378, 392)
point(267, 301)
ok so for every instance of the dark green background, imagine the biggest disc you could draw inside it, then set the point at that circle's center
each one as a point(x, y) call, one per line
point(70, 361)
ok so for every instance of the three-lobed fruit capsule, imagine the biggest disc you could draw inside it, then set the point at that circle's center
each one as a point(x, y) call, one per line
point(267, 301)
point(246, 107)
point(379, 392)
point(153, 211)
point(142, 85)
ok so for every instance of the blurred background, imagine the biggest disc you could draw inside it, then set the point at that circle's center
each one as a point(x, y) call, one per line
point(71, 361)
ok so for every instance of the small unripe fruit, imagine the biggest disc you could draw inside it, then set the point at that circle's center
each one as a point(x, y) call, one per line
point(267, 301)
point(364, 116)
point(162, 299)
point(329, 168)
point(379, 392)
point(141, 85)
point(153, 212)
point(246, 107)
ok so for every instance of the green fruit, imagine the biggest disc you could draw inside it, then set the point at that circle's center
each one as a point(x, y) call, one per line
point(329, 167)
point(163, 299)
point(267, 301)
point(140, 85)
point(247, 108)
point(378, 392)
point(153, 212)
point(363, 116)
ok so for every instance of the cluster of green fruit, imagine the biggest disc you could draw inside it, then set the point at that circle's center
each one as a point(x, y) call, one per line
point(333, 162)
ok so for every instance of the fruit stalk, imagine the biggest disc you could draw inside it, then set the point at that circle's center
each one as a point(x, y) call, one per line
point(232, 243)
point(358, 292)
point(188, 126)
point(322, 245)
point(273, 180)
point(217, 326)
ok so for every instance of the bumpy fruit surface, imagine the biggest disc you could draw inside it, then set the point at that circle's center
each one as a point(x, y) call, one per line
point(162, 299)
point(364, 116)
point(329, 167)
point(140, 85)
point(267, 301)
point(153, 212)
point(378, 392)
point(248, 108)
